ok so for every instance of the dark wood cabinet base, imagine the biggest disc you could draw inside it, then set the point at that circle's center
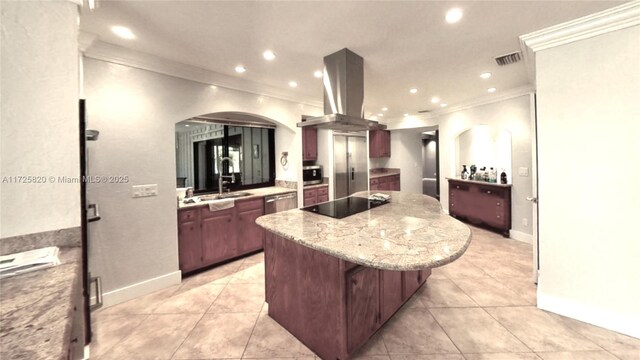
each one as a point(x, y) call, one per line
point(331, 305)
point(481, 203)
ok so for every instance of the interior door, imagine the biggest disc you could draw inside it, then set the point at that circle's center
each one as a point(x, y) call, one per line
point(534, 188)
point(357, 164)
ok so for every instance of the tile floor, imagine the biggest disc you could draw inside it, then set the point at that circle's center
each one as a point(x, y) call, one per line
point(481, 307)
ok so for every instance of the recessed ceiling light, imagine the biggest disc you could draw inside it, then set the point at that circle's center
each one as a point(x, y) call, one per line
point(381, 114)
point(268, 55)
point(435, 99)
point(374, 117)
point(443, 105)
point(385, 108)
point(123, 32)
point(317, 74)
point(485, 75)
point(406, 114)
point(413, 90)
point(453, 16)
point(491, 90)
point(240, 69)
point(293, 84)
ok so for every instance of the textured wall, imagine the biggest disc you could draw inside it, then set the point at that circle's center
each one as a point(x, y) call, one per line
point(39, 118)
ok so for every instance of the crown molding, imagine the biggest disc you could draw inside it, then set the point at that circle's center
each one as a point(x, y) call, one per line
point(616, 18)
point(100, 50)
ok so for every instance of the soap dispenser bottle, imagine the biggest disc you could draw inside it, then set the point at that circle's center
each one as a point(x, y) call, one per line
point(465, 174)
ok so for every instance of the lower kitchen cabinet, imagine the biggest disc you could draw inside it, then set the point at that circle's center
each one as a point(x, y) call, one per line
point(363, 307)
point(481, 203)
point(316, 195)
point(391, 293)
point(209, 237)
point(389, 182)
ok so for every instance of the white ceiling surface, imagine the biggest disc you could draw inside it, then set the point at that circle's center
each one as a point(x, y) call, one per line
point(404, 44)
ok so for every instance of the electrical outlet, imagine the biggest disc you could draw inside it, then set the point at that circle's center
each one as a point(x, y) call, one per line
point(523, 171)
point(138, 191)
point(525, 222)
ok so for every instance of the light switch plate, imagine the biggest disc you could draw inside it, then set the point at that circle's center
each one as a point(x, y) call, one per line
point(138, 191)
point(523, 171)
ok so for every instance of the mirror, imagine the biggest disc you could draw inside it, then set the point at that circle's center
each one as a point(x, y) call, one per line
point(201, 146)
point(484, 145)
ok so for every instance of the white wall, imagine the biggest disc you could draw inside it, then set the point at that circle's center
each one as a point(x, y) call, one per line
point(589, 199)
point(39, 118)
point(406, 154)
point(136, 111)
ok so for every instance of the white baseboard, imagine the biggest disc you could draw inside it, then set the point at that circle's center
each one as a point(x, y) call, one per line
point(623, 323)
point(520, 236)
point(133, 291)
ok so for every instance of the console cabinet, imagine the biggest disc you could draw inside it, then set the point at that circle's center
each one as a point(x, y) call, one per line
point(209, 237)
point(481, 203)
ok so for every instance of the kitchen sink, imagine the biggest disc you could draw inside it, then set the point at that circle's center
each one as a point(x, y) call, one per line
point(224, 196)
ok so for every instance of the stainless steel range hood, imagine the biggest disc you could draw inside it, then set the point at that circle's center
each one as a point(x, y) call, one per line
point(343, 81)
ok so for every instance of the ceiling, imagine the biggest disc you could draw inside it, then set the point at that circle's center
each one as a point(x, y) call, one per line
point(404, 44)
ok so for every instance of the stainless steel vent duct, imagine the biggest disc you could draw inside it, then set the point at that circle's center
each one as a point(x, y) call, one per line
point(343, 82)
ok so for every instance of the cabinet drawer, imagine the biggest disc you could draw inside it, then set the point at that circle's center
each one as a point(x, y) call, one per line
point(375, 181)
point(461, 187)
point(244, 205)
point(187, 215)
point(384, 180)
point(310, 193)
point(206, 213)
point(323, 191)
point(492, 191)
point(323, 198)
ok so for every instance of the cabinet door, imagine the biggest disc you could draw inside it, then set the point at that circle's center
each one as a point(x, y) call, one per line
point(363, 307)
point(218, 236)
point(250, 235)
point(386, 143)
point(309, 143)
point(412, 281)
point(391, 297)
point(310, 197)
point(189, 246)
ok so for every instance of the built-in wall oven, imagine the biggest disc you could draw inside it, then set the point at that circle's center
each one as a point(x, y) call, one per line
point(312, 175)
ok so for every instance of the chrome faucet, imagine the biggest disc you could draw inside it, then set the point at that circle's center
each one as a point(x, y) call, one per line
point(221, 177)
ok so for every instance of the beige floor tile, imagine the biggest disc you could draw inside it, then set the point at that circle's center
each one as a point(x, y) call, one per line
point(472, 330)
point(192, 301)
point(252, 274)
point(108, 330)
point(607, 339)
point(498, 268)
point(373, 347)
point(523, 286)
point(577, 355)
point(370, 357)
point(254, 259)
point(487, 291)
point(462, 268)
point(502, 356)
point(270, 340)
point(428, 357)
point(219, 275)
point(443, 293)
point(242, 298)
point(539, 330)
point(626, 354)
point(157, 337)
point(415, 331)
point(218, 336)
point(142, 305)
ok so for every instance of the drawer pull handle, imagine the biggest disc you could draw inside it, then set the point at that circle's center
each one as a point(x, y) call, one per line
point(498, 216)
point(488, 191)
point(498, 203)
point(457, 186)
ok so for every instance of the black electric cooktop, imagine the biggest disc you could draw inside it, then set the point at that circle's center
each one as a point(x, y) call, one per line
point(344, 207)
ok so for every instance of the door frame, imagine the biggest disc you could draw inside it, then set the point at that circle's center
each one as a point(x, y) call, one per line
point(534, 188)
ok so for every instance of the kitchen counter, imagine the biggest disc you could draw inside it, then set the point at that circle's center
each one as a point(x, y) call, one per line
point(37, 309)
point(410, 233)
point(260, 192)
point(378, 173)
point(315, 186)
point(479, 182)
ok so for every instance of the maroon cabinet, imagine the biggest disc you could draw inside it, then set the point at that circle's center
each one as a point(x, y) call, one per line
point(379, 143)
point(315, 195)
point(362, 306)
point(218, 235)
point(309, 143)
point(412, 281)
point(389, 182)
point(391, 294)
point(209, 237)
point(249, 235)
point(481, 203)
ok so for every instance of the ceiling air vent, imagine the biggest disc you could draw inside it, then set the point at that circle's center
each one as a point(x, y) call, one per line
point(508, 58)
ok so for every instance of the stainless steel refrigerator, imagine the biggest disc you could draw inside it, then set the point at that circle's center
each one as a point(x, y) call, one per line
point(350, 164)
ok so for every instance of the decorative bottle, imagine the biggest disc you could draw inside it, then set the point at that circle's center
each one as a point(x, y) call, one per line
point(493, 176)
point(465, 174)
point(503, 177)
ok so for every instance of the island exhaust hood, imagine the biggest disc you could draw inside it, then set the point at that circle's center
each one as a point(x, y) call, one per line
point(343, 81)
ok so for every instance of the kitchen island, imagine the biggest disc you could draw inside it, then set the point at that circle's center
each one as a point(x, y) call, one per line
point(333, 283)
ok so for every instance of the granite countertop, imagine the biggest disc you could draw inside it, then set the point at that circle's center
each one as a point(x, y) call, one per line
point(255, 193)
point(479, 182)
point(36, 312)
point(386, 172)
point(410, 233)
point(315, 186)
